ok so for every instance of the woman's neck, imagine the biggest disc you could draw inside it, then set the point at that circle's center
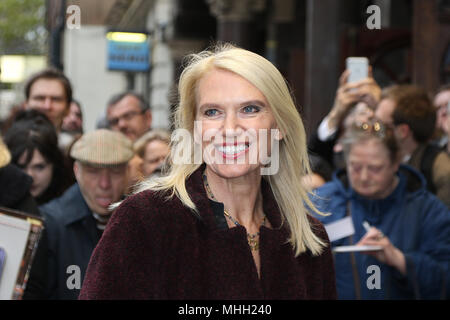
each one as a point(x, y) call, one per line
point(241, 196)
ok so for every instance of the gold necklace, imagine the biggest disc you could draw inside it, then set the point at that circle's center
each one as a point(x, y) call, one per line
point(252, 239)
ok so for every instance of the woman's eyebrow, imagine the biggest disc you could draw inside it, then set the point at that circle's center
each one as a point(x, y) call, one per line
point(241, 104)
point(253, 102)
point(209, 106)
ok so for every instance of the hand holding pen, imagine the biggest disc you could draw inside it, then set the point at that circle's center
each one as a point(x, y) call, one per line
point(376, 232)
point(389, 254)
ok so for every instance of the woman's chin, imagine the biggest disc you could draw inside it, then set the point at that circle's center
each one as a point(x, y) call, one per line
point(230, 171)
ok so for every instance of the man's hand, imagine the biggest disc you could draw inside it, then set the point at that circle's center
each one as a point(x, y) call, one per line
point(348, 94)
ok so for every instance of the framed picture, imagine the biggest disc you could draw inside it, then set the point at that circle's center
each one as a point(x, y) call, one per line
point(19, 237)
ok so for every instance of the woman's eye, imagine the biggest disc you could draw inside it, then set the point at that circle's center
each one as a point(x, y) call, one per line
point(211, 112)
point(250, 109)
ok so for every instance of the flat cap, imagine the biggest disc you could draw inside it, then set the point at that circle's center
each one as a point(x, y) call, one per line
point(103, 148)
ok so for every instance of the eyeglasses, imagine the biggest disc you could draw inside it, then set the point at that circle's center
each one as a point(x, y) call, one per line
point(113, 122)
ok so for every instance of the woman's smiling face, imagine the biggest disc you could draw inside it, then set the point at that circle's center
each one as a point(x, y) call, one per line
point(235, 121)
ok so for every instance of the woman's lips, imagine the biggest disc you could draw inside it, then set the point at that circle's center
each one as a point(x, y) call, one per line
point(232, 151)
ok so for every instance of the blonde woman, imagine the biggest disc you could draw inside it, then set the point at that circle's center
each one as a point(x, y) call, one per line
point(229, 220)
point(152, 148)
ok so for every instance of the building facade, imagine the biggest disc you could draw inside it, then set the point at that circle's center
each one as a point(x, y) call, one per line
point(408, 41)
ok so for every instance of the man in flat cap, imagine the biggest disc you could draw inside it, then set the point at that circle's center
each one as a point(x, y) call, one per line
point(76, 220)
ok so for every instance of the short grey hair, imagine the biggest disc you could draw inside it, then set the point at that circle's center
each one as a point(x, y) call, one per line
point(155, 134)
point(143, 104)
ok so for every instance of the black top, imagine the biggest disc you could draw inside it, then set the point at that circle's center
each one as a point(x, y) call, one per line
point(15, 190)
point(217, 208)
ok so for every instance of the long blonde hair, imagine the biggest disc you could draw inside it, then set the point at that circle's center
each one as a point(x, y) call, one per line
point(286, 184)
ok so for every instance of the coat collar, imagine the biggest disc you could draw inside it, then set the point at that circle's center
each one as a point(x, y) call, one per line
point(72, 210)
point(197, 192)
point(76, 208)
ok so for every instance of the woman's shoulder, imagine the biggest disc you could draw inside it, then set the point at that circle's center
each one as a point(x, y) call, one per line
point(150, 207)
point(331, 187)
point(145, 199)
point(328, 197)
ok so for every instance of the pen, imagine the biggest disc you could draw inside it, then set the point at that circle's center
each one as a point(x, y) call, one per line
point(366, 226)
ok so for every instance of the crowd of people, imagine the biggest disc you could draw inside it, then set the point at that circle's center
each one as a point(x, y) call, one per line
point(388, 149)
point(71, 177)
point(140, 225)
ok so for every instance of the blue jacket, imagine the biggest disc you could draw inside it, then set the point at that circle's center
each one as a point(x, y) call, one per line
point(71, 237)
point(415, 221)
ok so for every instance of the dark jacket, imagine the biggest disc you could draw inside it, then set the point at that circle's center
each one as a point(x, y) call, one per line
point(70, 237)
point(15, 190)
point(415, 222)
point(154, 248)
point(322, 149)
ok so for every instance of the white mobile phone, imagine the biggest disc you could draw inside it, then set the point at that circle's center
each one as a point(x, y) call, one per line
point(358, 67)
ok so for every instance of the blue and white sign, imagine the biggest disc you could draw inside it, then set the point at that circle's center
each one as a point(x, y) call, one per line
point(128, 51)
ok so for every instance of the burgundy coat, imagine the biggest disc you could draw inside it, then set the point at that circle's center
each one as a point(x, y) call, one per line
point(154, 248)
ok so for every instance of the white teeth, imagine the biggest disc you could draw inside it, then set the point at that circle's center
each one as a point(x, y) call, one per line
point(232, 149)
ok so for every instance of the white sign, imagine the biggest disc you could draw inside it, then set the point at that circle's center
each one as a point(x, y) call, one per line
point(13, 239)
point(340, 229)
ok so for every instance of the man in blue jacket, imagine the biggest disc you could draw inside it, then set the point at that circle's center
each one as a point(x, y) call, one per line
point(75, 221)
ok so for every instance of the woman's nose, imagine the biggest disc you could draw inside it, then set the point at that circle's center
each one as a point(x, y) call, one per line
point(230, 122)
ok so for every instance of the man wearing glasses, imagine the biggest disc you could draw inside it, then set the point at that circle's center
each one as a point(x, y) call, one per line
point(130, 114)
